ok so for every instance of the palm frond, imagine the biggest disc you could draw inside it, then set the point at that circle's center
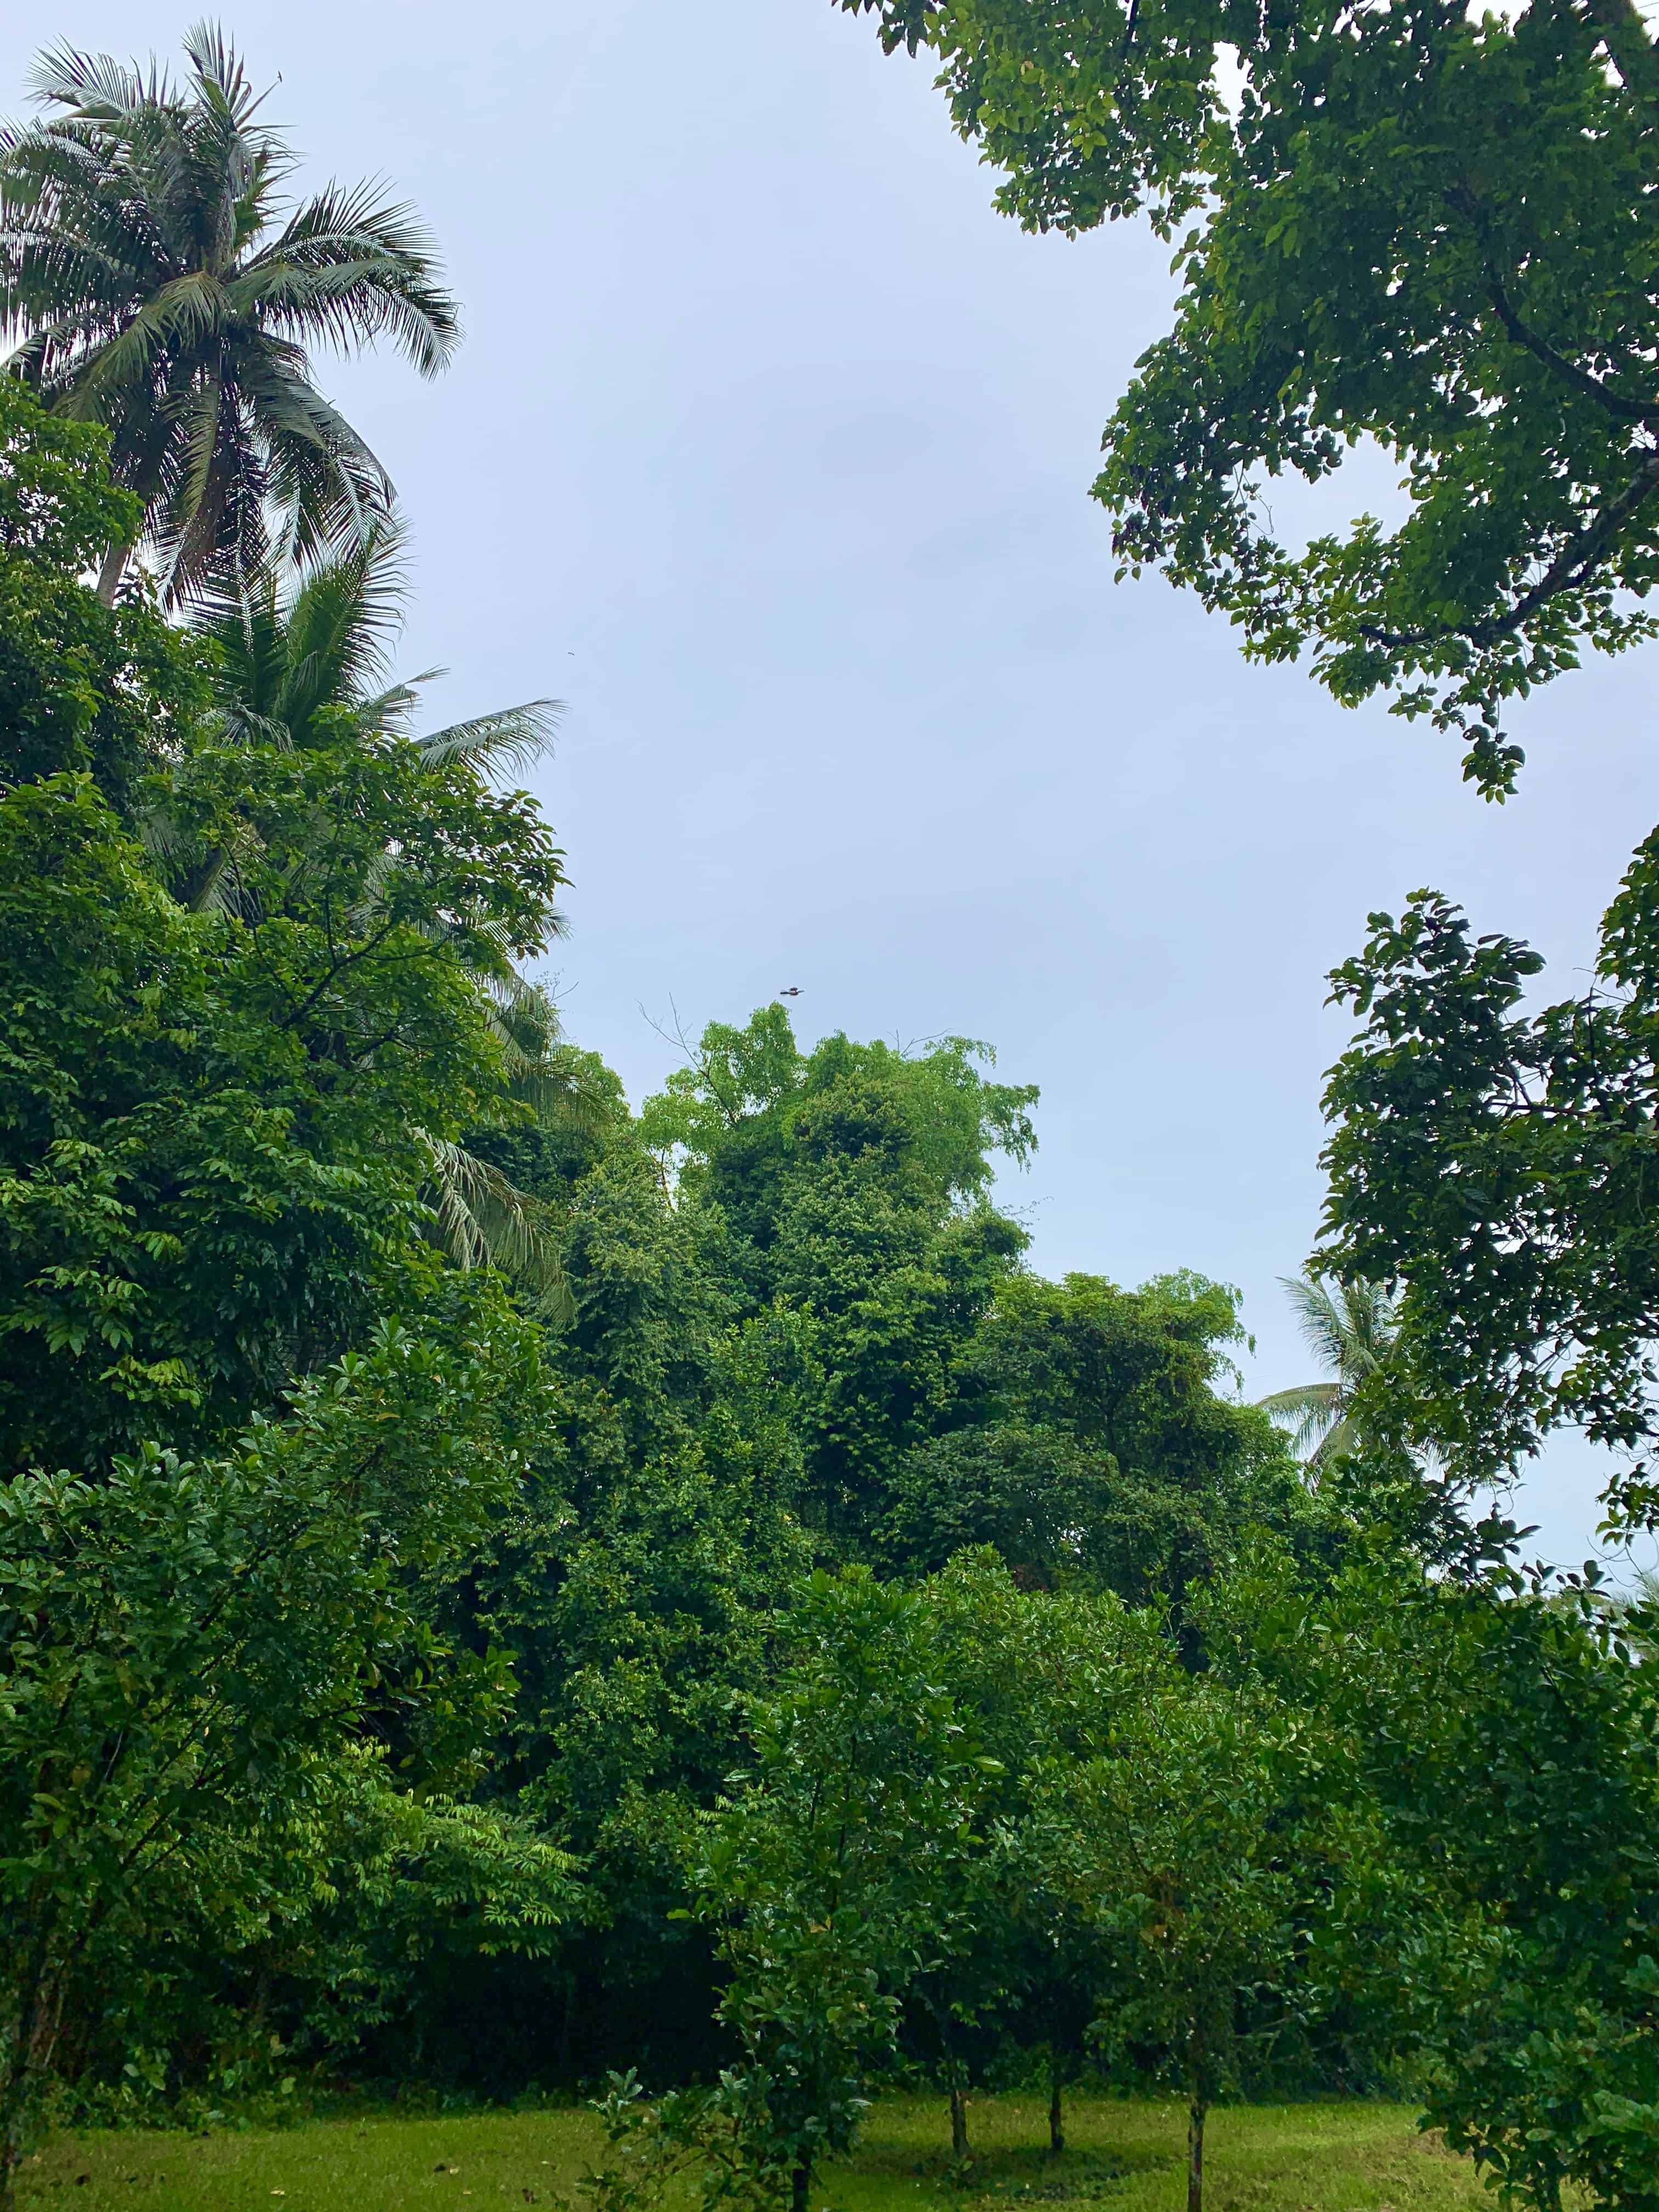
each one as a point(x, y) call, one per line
point(1312, 1411)
point(512, 736)
point(484, 1220)
point(354, 266)
point(97, 84)
point(340, 621)
point(389, 713)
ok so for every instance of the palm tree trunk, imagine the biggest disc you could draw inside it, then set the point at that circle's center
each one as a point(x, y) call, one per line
point(958, 2122)
point(109, 575)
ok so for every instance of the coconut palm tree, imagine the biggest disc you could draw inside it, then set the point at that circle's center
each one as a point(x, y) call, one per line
point(151, 280)
point(1351, 1329)
point(304, 660)
point(296, 648)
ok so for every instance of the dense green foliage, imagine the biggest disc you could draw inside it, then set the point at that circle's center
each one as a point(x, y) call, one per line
point(1494, 1154)
point(83, 687)
point(495, 1588)
point(1397, 235)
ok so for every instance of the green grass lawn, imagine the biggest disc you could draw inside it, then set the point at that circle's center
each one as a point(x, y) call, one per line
point(1125, 2156)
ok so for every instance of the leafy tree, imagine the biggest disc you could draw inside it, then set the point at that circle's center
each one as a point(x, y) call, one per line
point(1508, 1744)
point(749, 1106)
point(844, 1194)
point(1171, 1840)
point(1351, 1327)
point(1493, 1156)
point(1115, 1391)
point(1392, 234)
point(305, 662)
point(199, 1658)
point(214, 1131)
point(150, 289)
point(108, 691)
point(1045, 1503)
point(831, 1870)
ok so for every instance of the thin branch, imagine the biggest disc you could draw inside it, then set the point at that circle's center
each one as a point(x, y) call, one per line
point(1627, 411)
point(1576, 561)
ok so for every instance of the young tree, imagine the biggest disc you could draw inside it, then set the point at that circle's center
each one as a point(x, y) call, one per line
point(833, 1872)
point(1388, 231)
point(1493, 1885)
point(1172, 1841)
point(1043, 1675)
point(147, 286)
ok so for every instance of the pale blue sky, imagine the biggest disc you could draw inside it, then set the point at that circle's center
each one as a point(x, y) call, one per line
point(767, 450)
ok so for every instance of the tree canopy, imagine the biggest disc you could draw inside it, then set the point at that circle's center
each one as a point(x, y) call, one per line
point(1392, 231)
point(494, 1586)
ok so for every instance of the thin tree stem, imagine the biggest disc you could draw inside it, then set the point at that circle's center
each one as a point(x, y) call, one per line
point(1196, 2157)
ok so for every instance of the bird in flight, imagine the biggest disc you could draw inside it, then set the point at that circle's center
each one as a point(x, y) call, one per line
point(791, 991)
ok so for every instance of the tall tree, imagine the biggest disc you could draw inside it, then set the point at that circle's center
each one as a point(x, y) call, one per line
point(214, 1129)
point(846, 1192)
point(1493, 1156)
point(1389, 232)
point(152, 281)
point(1089, 1438)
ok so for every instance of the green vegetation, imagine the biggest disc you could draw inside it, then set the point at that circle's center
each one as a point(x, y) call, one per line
point(498, 1591)
point(147, 294)
point(1128, 2156)
point(1387, 231)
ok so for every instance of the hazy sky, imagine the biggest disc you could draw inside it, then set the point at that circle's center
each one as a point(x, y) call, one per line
point(768, 450)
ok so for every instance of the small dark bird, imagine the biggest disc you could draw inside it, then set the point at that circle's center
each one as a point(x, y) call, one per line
point(792, 992)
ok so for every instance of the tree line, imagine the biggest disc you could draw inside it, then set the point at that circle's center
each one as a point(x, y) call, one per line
point(500, 1589)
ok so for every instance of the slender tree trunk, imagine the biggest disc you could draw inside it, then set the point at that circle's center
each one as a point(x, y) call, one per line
point(38, 2024)
point(801, 2183)
point(1195, 2113)
point(958, 2121)
point(109, 575)
point(1056, 2116)
point(12, 2097)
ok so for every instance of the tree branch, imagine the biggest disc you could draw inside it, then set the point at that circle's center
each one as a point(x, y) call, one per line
point(1628, 410)
point(1632, 53)
point(1574, 564)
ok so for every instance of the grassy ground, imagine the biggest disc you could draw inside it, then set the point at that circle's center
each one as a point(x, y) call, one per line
point(1122, 2156)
